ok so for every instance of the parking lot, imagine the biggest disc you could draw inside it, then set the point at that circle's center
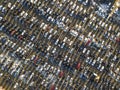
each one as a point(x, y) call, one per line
point(57, 45)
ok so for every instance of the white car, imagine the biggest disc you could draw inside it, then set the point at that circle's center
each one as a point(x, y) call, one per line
point(74, 33)
point(102, 68)
point(51, 30)
point(63, 44)
point(1, 18)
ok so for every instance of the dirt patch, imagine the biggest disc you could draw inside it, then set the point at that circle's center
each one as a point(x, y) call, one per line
point(1, 88)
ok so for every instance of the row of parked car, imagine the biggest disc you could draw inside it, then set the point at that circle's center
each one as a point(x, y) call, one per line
point(58, 45)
